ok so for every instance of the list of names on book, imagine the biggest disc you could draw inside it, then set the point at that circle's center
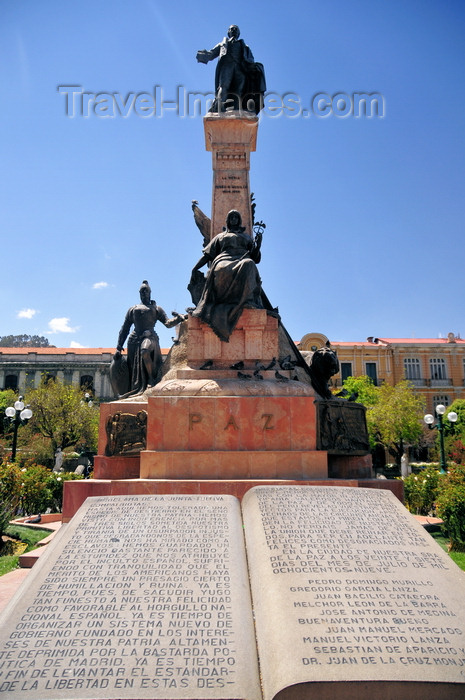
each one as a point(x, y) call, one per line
point(359, 582)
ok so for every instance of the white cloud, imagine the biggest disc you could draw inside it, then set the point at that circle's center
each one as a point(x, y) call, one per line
point(26, 313)
point(100, 285)
point(74, 344)
point(60, 325)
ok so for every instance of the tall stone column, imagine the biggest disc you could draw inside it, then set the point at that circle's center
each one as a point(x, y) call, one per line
point(105, 389)
point(22, 381)
point(98, 383)
point(230, 136)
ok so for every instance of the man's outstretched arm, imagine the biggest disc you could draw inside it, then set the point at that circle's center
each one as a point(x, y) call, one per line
point(204, 56)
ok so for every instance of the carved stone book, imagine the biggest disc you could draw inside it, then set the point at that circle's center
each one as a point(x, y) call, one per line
point(298, 592)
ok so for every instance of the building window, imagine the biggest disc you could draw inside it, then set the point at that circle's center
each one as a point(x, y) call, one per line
point(11, 381)
point(412, 369)
point(440, 398)
point(87, 382)
point(346, 370)
point(437, 368)
point(370, 368)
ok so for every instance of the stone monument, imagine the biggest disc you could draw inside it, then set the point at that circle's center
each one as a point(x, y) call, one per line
point(235, 402)
point(219, 524)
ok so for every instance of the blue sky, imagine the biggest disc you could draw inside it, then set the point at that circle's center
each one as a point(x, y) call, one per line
point(365, 217)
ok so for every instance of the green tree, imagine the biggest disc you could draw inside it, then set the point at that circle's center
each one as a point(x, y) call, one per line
point(394, 413)
point(61, 415)
point(367, 392)
point(396, 417)
point(455, 429)
point(7, 398)
point(454, 433)
point(24, 341)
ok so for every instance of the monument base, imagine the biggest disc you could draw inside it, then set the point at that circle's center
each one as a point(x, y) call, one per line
point(298, 464)
point(350, 466)
point(231, 411)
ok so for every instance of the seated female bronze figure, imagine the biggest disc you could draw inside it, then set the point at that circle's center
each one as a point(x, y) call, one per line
point(232, 282)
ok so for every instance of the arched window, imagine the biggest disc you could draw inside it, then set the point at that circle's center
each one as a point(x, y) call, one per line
point(11, 381)
point(438, 368)
point(87, 382)
point(412, 368)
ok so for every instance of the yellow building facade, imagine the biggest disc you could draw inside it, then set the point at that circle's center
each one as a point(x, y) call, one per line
point(435, 366)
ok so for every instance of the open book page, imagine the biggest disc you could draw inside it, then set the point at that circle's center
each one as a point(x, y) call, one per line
point(137, 597)
point(348, 588)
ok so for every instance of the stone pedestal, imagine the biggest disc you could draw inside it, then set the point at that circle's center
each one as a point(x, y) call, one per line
point(244, 437)
point(230, 136)
point(119, 463)
point(255, 337)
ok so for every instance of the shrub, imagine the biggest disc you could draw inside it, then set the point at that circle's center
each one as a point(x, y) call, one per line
point(456, 450)
point(36, 451)
point(10, 485)
point(451, 506)
point(5, 517)
point(10, 492)
point(455, 474)
point(55, 484)
point(42, 489)
point(418, 467)
point(421, 490)
point(35, 496)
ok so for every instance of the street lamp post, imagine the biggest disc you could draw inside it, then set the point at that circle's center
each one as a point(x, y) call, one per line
point(429, 420)
point(18, 415)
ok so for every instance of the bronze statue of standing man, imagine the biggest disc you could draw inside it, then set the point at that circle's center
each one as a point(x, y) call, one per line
point(144, 355)
point(239, 81)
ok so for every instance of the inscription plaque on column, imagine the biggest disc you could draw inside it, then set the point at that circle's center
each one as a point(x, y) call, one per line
point(138, 597)
point(230, 138)
point(352, 598)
